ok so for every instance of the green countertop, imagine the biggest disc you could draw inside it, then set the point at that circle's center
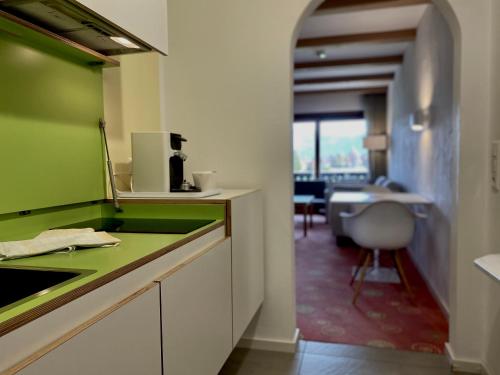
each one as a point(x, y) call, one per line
point(134, 247)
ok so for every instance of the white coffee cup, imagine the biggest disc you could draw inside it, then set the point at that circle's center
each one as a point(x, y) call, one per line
point(205, 180)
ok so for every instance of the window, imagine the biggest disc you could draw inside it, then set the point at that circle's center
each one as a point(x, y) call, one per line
point(330, 149)
point(304, 148)
point(341, 147)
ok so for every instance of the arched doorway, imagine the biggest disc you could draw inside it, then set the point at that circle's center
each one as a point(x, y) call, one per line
point(434, 233)
point(263, 106)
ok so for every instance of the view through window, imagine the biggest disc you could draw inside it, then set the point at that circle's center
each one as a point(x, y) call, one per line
point(304, 147)
point(330, 149)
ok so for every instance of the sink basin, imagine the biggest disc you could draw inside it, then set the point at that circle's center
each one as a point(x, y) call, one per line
point(164, 226)
point(21, 284)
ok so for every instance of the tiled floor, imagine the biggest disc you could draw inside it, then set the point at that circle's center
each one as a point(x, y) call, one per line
point(315, 358)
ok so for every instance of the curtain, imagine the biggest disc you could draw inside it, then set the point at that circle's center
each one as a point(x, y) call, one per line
point(375, 110)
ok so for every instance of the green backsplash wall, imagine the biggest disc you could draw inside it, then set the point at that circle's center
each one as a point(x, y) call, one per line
point(50, 145)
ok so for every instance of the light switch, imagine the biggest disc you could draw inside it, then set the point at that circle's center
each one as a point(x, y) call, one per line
point(495, 170)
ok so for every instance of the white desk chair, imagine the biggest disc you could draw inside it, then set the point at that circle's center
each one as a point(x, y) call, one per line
point(384, 225)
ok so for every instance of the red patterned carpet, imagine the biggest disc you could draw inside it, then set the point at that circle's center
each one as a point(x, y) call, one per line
point(384, 315)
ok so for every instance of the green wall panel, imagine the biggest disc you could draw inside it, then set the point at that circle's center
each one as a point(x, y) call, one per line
point(14, 227)
point(177, 211)
point(50, 145)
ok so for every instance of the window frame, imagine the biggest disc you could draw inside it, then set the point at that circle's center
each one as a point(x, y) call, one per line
point(317, 118)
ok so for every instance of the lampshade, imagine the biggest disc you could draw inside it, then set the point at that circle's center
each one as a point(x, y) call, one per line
point(375, 142)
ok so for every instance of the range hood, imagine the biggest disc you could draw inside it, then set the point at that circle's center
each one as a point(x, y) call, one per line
point(73, 22)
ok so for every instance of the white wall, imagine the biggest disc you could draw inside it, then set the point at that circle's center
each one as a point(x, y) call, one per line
point(133, 96)
point(423, 162)
point(229, 92)
point(469, 239)
point(492, 330)
point(228, 88)
point(328, 103)
point(228, 81)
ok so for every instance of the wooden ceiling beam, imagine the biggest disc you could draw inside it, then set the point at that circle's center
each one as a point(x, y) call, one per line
point(366, 90)
point(328, 80)
point(396, 36)
point(343, 6)
point(384, 60)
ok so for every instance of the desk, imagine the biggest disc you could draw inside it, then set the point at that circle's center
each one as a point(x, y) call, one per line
point(342, 200)
point(361, 197)
point(303, 204)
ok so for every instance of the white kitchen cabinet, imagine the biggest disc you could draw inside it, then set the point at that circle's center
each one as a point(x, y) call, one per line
point(145, 19)
point(196, 314)
point(247, 259)
point(185, 323)
point(125, 342)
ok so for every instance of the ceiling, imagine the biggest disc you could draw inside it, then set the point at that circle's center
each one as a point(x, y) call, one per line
point(364, 42)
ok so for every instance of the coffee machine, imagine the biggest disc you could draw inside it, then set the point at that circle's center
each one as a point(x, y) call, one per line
point(176, 166)
point(158, 163)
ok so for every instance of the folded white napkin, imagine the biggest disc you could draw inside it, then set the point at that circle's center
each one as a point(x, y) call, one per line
point(56, 240)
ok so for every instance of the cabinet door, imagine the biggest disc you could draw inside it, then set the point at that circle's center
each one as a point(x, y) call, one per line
point(125, 342)
point(247, 259)
point(196, 314)
point(145, 19)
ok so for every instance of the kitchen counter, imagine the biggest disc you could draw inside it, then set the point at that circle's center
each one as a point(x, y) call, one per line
point(176, 296)
point(223, 196)
point(135, 250)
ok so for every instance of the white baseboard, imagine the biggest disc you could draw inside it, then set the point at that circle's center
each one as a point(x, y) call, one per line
point(461, 365)
point(270, 344)
point(437, 297)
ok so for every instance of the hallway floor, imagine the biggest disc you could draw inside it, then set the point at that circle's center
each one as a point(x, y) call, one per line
point(384, 316)
point(314, 358)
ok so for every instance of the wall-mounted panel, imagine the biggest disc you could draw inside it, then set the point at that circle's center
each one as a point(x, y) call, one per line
point(51, 150)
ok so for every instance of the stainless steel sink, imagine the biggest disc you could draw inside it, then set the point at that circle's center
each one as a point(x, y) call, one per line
point(21, 284)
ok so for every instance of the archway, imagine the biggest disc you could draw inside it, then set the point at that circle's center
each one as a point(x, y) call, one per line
point(263, 106)
point(448, 13)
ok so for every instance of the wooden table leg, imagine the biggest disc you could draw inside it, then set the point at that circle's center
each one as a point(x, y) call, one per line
point(311, 214)
point(304, 211)
point(366, 263)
